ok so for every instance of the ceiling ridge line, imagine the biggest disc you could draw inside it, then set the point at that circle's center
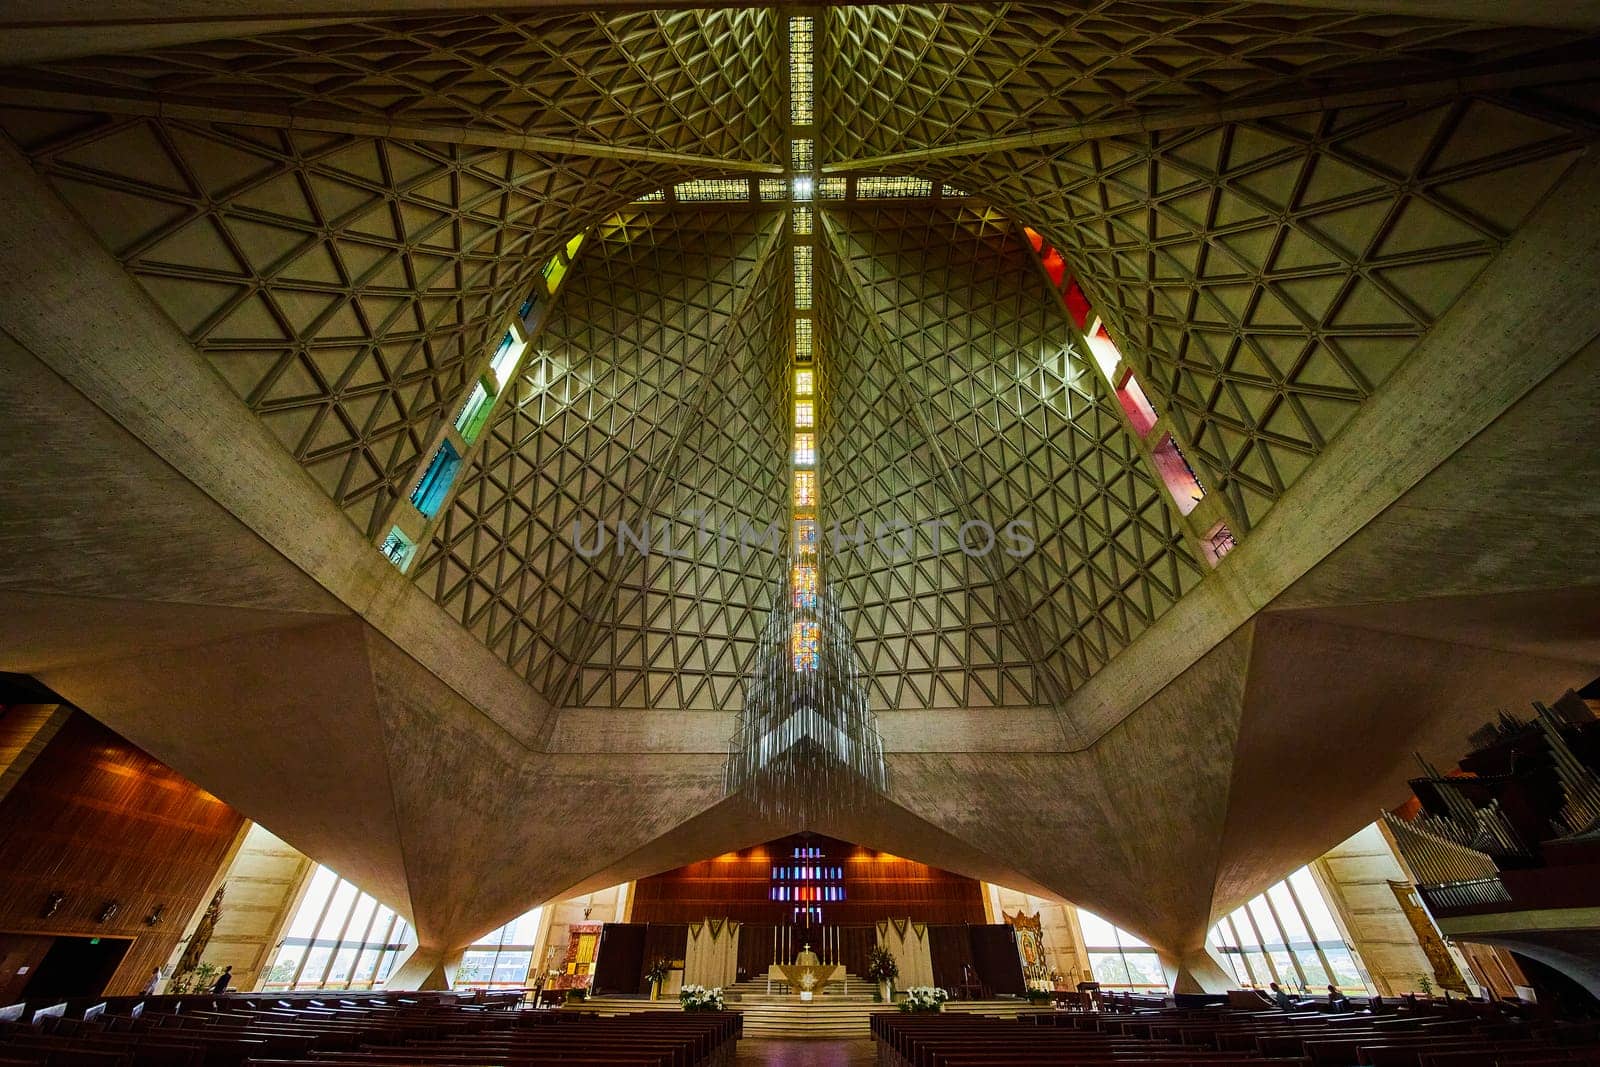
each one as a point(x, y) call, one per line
point(538, 144)
point(590, 613)
point(1405, 93)
point(942, 474)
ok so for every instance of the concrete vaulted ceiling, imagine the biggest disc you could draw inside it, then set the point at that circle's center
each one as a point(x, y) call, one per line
point(1348, 254)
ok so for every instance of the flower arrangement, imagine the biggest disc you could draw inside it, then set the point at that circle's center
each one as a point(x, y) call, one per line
point(659, 970)
point(699, 998)
point(923, 998)
point(881, 966)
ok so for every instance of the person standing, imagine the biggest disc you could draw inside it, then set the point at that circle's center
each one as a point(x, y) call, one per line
point(221, 984)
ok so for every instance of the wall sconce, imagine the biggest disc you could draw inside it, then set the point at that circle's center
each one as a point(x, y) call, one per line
point(154, 918)
point(52, 904)
point(107, 910)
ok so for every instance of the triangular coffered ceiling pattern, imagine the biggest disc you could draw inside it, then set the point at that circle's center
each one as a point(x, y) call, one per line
point(681, 626)
point(903, 77)
point(1266, 277)
point(601, 406)
point(930, 625)
point(701, 82)
point(1018, 427)
point(1264, 274)
point(346, 287)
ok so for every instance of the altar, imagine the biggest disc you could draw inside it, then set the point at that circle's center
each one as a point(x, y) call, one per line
point(805, 978)
point(807, 975)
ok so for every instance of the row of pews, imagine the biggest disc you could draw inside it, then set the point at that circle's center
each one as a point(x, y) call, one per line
point(1224, 1037)
point(355, 1030)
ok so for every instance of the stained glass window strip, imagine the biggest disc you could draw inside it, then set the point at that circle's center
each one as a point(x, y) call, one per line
point(772, 189)
point(805, 587)
point(657, 197)
point(878, 187)
point(805, 489)
point(800, 55)
point(435, 481)
point(474, 413)
point(802, 277)
point(806, 646)
point(713, 189)
point(506, 358)
point(802, 346)
point(830, 188)
point(804, 380)
point(397, 548)
point(774, 759)
point(807, 883)
point(950, 190)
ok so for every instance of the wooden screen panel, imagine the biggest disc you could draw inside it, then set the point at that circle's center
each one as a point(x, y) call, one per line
point(950, 948)
point(994, 953)
point(96, 819)
point(627, 950)
point(876, 885)
point(620, 958)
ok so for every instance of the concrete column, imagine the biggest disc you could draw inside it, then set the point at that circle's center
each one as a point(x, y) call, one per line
point(425, 968)
point(1200, 971)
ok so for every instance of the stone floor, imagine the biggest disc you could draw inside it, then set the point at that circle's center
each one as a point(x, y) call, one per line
point(780, 1052)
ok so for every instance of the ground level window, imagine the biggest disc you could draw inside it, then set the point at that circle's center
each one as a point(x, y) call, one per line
point(1117, 959)
point(339, 938)
point(1288, 935)
point(501, 959)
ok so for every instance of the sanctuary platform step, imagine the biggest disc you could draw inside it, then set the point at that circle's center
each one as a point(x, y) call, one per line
point(825, 1016)
point(850, 986)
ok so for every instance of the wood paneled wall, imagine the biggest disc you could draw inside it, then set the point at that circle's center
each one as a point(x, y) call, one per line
point(99, 820)
point(877, 886)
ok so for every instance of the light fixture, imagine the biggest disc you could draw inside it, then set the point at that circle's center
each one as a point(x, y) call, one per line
point(807, 746)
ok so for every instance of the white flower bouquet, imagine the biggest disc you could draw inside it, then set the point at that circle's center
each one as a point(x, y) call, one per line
point(923, 998)
point(699, 998)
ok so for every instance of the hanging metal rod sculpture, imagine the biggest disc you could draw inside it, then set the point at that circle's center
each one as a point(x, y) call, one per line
point(807, 746)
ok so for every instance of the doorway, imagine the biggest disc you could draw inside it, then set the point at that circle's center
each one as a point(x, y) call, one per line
point(76, 967)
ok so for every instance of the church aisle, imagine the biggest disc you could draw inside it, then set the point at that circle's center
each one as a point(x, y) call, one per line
point(794, 1052)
